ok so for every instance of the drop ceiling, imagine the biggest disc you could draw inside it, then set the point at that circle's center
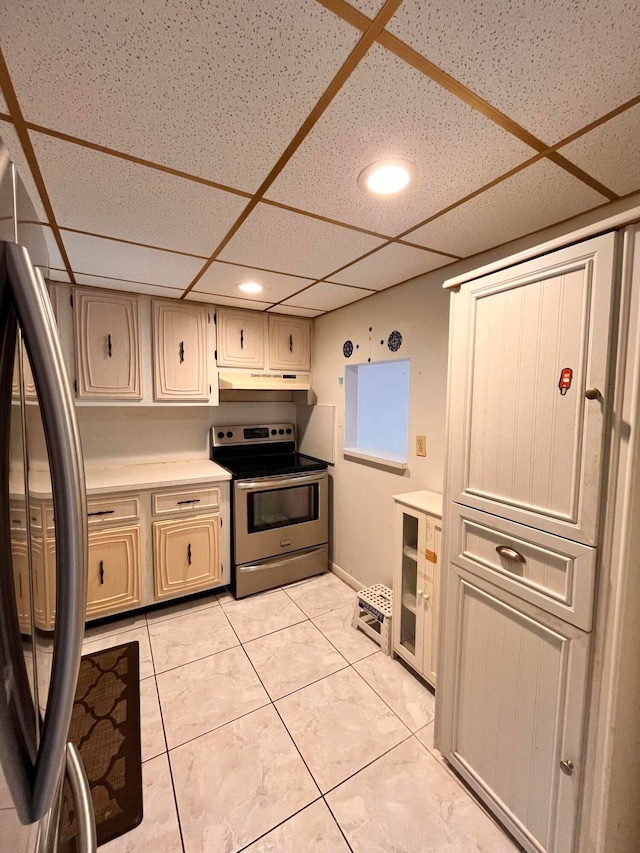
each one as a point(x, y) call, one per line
point(179, 148)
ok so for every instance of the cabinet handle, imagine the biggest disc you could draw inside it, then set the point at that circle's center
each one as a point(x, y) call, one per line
point(101, 572)
point(567, 767)
point(592, 394)
point(189, 553)
point(181, 351)
point(191, 501)
point(20, 584)
point(290, 343)
point(101, 512)
point(241, 338)
point(510, 554)
point(109, 345)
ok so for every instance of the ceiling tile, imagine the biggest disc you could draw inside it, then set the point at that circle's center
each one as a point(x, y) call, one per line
point(217, 89)
point(128, 286)
point(222, 279)
point(10, 139)
point(109, 258)
point(3, 104)
point(281, 240)
point(388, 109)
point(106, 195)
point(55, 258)
point(195, 296)
point(389, 266)
point(553, 66)
point(368, 7)
point(296, 312)
point(57, 275)
point(325, 296)
point(610, 152)
point(538, 196)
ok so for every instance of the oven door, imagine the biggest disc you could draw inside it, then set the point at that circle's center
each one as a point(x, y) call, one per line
point(275, 515)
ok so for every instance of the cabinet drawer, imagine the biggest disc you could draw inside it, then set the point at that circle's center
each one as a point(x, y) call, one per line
point(105, 510)
point(553, 573)
point(18, 517)
point(183, 501)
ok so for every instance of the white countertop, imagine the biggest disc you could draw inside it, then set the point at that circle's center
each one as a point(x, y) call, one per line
point(430, 502)
point(126, 478)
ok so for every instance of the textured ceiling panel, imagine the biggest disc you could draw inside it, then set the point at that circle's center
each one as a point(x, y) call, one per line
point(95, 256)
point(552, 65)
point(213, 88)
point(611, 152)
point(128, 286)
point(10, 139)
point(3, 104)
point(254, 305)
point(55, 258)
point(533, 198)
point(106, 195)
point(222, 279)
point(388, 109)
point(325, 296)
point(296, 312)
point(280, 240)
point(390, 265)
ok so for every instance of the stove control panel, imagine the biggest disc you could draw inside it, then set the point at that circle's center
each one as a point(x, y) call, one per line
point(262, 434)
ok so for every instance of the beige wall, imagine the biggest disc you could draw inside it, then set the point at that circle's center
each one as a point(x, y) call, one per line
point(362, 507)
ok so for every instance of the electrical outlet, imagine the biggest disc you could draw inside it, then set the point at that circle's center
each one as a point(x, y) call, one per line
point(421, 445)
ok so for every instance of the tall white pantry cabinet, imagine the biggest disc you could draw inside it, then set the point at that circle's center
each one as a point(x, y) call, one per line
point(529, 406)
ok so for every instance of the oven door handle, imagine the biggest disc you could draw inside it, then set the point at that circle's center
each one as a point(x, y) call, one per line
point(278, 482)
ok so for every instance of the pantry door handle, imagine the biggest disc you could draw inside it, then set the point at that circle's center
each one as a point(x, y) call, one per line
point(189, 553)
point(510, 554)
point(592, 394)
point(181, 351)
point(109, 345)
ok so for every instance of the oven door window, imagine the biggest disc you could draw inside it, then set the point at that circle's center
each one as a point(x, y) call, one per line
point(273, 508)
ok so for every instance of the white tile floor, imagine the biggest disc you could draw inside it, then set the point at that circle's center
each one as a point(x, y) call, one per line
point(270, 724)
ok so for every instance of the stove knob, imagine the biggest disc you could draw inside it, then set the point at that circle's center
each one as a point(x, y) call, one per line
point(220, 435)
point(229, 434)
point(288, 432)
point(274, 432)
point(281, 431)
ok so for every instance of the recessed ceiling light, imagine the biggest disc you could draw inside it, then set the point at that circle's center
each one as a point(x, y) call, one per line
point(250, 287)
point(387, 177)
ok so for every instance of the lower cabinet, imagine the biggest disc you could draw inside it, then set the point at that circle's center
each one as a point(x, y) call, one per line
point(418, 528)
point(514, 732)
point(186, 554)
point(113, 570)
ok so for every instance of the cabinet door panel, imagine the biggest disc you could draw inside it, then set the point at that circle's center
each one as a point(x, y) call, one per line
point(527, 342)
point(241, 338)
point(113, 579)
point(186, 555)
point(107, 345)
point(289, 343)
point(409, 580)
point(519, 678)
point(180, 352)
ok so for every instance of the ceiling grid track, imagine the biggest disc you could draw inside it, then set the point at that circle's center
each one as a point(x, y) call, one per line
point(11, 98)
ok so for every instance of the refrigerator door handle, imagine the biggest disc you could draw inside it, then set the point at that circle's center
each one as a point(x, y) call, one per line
point(70, 508)
point(82, 799)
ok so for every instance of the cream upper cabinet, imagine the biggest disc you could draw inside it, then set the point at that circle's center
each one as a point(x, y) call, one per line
point(528, 388)
point(186, 554)
point(241, 338)
point(289, 343)
point(180, 358)
point(107, 345)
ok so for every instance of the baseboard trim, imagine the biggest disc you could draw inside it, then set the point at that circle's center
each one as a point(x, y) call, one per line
point(346, 577)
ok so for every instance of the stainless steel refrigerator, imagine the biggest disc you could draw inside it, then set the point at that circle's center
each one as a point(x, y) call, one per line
point(40, 449)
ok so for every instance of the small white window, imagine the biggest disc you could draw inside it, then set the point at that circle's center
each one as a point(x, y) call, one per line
point(377, 412)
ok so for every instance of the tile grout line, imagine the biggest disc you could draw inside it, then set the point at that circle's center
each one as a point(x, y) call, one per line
point(164, 732)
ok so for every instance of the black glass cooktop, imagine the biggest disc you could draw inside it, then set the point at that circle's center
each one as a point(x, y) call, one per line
point(248, 465)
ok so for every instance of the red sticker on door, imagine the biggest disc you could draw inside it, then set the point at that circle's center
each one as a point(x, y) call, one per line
point(566, 375)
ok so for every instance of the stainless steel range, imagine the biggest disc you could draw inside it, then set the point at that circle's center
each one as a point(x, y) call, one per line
point(279, 506)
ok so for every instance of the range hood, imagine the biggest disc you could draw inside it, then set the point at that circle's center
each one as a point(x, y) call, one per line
point(260, 385)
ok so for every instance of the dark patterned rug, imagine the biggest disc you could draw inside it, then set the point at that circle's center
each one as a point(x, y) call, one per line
point(105, 726)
